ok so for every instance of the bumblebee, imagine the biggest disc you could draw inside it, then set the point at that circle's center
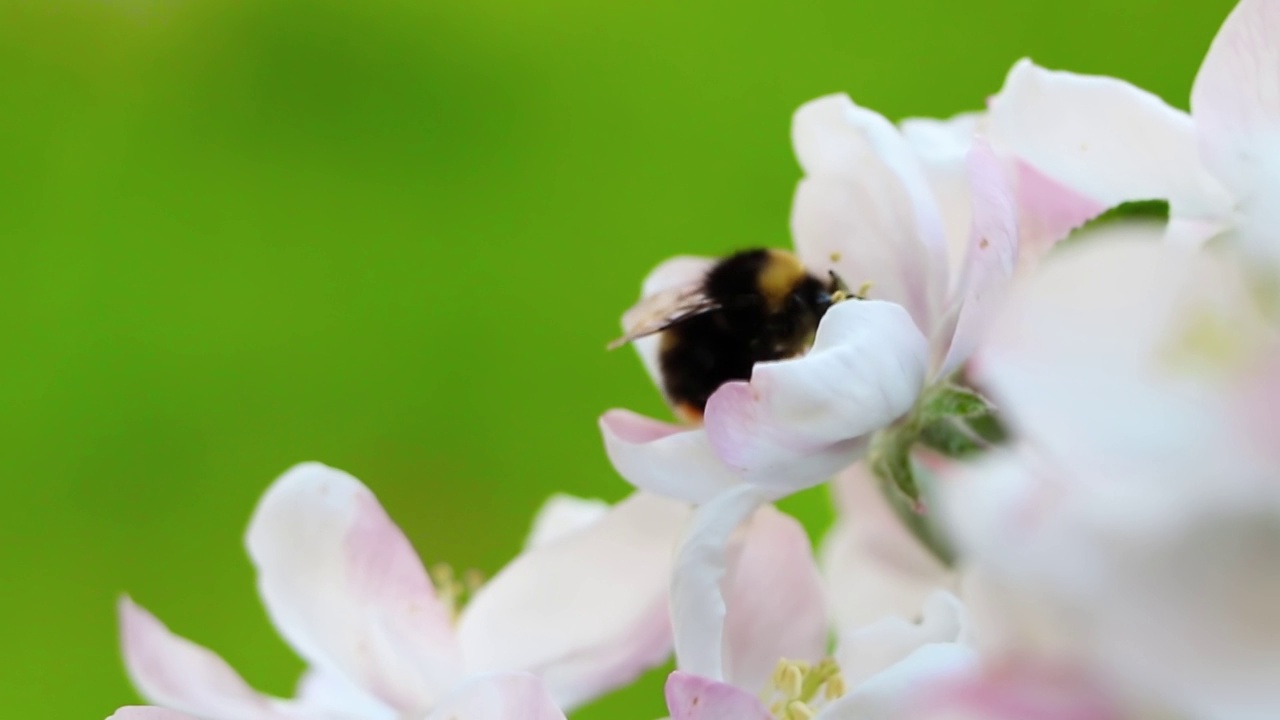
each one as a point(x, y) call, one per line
point(752, 306)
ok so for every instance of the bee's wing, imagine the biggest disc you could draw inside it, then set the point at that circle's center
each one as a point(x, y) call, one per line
point(661, 310)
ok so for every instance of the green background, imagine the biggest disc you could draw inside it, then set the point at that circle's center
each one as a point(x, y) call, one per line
point(394, 236)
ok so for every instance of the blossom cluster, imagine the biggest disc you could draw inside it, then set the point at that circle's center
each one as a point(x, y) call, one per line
point(1050, 429)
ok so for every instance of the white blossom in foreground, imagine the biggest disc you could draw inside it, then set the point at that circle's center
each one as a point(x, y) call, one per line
point(1140, 509)
point(581, 611)
point(867, 210)
point(751, 626)
point(1219, 166)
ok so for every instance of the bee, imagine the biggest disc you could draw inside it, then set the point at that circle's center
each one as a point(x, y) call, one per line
point(752, 306)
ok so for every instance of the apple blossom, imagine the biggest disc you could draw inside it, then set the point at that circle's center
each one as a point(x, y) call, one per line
point(866, 210)
point(1219, 166)
point(1140, 505)
point(581, 611)
point(751, 625)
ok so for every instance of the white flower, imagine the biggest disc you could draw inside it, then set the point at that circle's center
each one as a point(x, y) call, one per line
point(581, 611)
point(751, 625)
point(867, 210)
point(1219, 166)
point(1141, 509)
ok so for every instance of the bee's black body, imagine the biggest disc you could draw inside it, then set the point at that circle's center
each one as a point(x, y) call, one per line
point(768, 308)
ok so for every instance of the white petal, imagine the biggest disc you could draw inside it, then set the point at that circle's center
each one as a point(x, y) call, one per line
point(799, 421)
point(872, 565)
point(875, 648)
point(1104, 138)
point(499, 696)
point(993, 252)
point(324, 694)
point(943, 146)
point(587, 612)
point(774, 600)
point(673, 461)
point(866, 209)
point(175, 672)
point(1236, 105)
point(697, 600)
point(889, 693)
point(345, 588)
point(562, 515)
point(148, 713)
point(1112, 375)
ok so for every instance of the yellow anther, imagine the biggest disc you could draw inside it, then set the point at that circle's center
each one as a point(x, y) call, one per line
point(473, 580)
point(792, 681)
point(834, 687)
point(797, 710)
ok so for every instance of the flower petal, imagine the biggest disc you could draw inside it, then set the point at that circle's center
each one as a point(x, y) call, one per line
point(346, 589)
point(138, 712)
point(693, 697)
point(325, 694)
point(498, 696)
point(889, 693)
point(175, 672)
point(1236, 105)
point(993, 252)
point(674, 461)
point(1048, 211)
point(942, 147)
point(865, 208)
point(800, 421)
point(587, 612)
point(872, 565)
point(1103, 138)
point(1090, 376)
point(774, 600)
point(672, 273)
point(874, 648)
point(561, 515)
point(697, 600)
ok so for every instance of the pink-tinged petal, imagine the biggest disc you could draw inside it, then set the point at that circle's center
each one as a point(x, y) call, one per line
point(1047, 212)
point(873, 566)
point(673, 461)
point(175, 672)
point(942, 147)
point(1090, 376)
point(148, 713)
point(499, 696)
point(894, 691)
point(320, 693)
point(866, 209)
point(346, 589)
point(774, 600)
point(1236, 105)
point(672, 273)
point(1103, 138)
point(692, 697)
point(993, 252)
point(872, 649)
point(800, 421)
point(1021, 691)
point(562, 515)
point(588, 612)
point(697, 596)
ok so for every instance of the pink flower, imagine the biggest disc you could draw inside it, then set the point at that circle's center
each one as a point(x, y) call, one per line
point(866, 208)
point(1139, 515)
point(581, 611)
point(1218, 167)
point(751, 624)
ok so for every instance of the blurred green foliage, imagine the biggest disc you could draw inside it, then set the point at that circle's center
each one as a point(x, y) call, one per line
point(394, 236)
